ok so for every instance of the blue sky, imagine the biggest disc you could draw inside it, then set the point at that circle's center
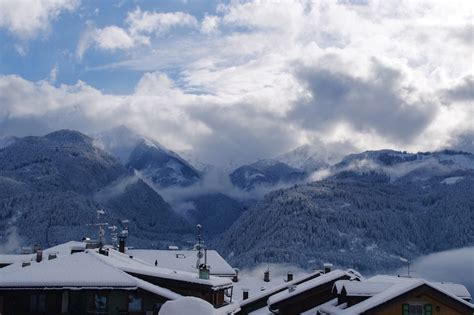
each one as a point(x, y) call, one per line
point(57, 47)
point(213, 77)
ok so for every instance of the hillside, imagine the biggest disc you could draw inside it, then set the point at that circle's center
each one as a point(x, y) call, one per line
point(265, 173)
point(52, 187)
point(163, 167)
point(360, 218)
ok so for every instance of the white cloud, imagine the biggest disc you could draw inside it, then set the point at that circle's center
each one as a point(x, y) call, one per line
point(109, 38)
point(210, 24)
point(277, 75)
point(140, 26)
point(113, 37)
point(146, 22)
point(27, 19)
point(53, 74)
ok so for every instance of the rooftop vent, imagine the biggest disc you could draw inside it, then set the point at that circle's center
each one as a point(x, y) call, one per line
point(327, 267)
point(289, 276)
point(52, 256)
point(26, 264)
point(291, 288)
point(245, 293)
point(266, 275)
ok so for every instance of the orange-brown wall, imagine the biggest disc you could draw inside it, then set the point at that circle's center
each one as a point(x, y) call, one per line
point(396, 309)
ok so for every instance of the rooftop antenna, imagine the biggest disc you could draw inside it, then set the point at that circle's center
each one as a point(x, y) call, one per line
point(204, 269)
point(123, 236)
point(199, 246)
point(101, 225)
point(407, 261)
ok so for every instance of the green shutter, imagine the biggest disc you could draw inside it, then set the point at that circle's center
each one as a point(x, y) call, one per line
point(428, 309)
point(405, 309)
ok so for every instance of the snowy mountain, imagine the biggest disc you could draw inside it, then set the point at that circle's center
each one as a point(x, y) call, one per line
point(161, 166)
point(364, 218)
point(310, 158)
point(6, 141)
point(52, 187)
point(216, 212)
point(265, 173)
point(396, 164)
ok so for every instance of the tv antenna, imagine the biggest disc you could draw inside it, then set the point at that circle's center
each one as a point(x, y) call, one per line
point(407, 261)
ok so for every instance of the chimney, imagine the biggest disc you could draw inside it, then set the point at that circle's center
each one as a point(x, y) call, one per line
point(245, 294)
point(121, 244)
point(204, 272)
point(327, 268)
point(121, 238)
point(236, 277)
point(35, 248)
point(289, 276)
point(39, 255)
point(266, 275)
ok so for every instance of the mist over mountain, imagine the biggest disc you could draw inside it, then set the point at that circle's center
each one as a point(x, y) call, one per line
point(161, 166)
point(265, 173)
point(365, 211)
point(365, 214)
point(54, 185)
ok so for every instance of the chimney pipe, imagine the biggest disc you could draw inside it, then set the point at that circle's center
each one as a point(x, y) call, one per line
point(266, 275)
point(327, 268)
point(122, 244)
point(39, 255)
point(289, 276)
point(245, 294)
point(291, 288)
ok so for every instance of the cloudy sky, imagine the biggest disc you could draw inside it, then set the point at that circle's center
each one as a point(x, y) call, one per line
point(242, 80)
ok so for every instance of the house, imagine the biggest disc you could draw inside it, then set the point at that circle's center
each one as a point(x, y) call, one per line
point(76, 284)
point(74, 279)
point(215, 290)
point(397, 295)
point(307, 295)
point(259, 301)
point(185, 260)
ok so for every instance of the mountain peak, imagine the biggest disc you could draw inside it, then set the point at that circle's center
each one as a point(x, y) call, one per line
point(67, 135)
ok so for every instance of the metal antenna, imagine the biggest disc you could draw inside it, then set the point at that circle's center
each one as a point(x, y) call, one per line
point(199, 246)
point(408, 264)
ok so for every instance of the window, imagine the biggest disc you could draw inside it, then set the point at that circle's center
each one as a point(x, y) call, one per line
point(100, 302)
point(417, 309)
point(38, 303)
point(134, 303)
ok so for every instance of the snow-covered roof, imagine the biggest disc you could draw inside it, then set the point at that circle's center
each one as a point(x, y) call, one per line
point(184, 260)
point(397, 287)
point(62, 249)
point(308, 285)
point(364, 288)
point(78, 271)
point(195, 306)
point(454, 288)
point(330, 307)
point(277, 288)
point(138, 266)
